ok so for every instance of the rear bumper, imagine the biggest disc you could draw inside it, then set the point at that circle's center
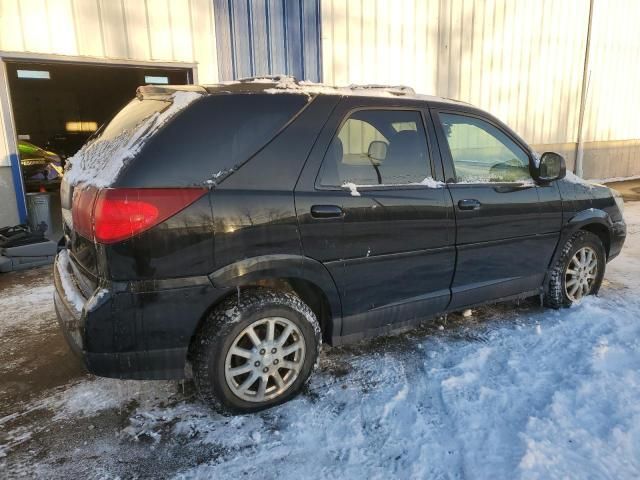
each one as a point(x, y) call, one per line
point(618, 236)
point(132, 335)
point(69, 319)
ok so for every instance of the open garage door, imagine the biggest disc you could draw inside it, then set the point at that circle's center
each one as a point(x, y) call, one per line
point(57, 107)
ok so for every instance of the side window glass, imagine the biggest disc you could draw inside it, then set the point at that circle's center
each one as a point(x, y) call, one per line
point(378, 147)
point(482, 153)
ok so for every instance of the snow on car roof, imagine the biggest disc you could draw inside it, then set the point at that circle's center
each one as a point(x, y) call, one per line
point(288, 84)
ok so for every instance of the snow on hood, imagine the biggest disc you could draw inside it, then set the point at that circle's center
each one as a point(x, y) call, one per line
point(99, 162)
point(573, 178)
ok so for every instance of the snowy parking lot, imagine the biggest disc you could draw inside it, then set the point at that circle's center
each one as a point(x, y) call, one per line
point(514, 391)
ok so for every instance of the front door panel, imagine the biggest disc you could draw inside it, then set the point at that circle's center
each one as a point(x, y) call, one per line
point(499, 244)
point(503, 242)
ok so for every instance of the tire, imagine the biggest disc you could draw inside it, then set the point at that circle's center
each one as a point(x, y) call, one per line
point(283, 374)
point(562, 290)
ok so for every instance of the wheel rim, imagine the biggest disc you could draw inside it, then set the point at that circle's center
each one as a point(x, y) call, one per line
point(265, 359)
point(581, 273)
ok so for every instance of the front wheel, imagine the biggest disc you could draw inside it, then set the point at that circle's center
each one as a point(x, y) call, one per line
point(578, 272)
point(255, 351)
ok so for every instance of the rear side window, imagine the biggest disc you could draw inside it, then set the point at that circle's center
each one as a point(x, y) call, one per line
point(214, 135)
point(378, 147)
point(482, 153)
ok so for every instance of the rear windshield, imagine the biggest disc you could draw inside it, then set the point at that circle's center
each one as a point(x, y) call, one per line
point(130, 116)
point(212, 137)
point(100, 161)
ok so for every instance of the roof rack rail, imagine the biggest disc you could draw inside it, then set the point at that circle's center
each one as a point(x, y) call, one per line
point(274, 78)
point(393, 89)
point(160, 91)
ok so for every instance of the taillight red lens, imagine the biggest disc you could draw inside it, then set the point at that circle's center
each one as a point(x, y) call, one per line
point(121, 213)
point(82, 210)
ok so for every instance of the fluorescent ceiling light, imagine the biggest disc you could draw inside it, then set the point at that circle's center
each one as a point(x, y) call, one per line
point(36, 74)
point(160, 80)
point(82, 126)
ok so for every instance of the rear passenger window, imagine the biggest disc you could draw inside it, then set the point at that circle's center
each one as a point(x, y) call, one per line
point(378, 147)
point(481, 152)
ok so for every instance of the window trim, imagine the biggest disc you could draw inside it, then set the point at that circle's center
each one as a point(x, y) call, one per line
point(421, 111)
point(446, 150)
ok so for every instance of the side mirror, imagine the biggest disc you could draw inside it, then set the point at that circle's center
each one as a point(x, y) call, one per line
point(552, 167)
point(377, 151)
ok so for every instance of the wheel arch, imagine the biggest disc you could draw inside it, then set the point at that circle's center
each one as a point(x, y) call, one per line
point(591, 220)
point(307, 278)
point(595, 221)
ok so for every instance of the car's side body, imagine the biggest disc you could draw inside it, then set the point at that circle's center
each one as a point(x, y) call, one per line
point(381, 260)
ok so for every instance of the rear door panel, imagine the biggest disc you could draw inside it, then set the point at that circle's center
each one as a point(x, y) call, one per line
point(391, 252)
point(398, 257)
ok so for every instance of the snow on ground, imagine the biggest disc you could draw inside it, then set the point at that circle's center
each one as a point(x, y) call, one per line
point(514, 391)
point(25, 307)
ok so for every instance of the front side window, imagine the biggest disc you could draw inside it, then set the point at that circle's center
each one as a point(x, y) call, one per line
point(378, 147)
point(482, 153)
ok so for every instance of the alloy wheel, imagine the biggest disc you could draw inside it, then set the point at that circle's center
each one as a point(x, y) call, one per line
point(265, 359)
point(581, 273)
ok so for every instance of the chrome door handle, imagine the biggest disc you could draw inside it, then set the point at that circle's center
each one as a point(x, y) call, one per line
point(469, 204)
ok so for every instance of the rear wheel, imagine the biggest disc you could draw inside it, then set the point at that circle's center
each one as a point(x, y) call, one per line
point(255, 351)
point(578, 272)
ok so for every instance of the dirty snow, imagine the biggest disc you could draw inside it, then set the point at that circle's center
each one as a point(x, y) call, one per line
point(99, 162)
point(512, 391)
point(24, 307)
point(70, 290)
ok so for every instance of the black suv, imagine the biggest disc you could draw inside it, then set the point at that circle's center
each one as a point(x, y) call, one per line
point(225, 231)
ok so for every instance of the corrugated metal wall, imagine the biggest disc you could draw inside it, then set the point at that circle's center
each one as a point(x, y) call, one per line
point(613, 101)
point(521, 60)
point(266, 37)
point(142, 30)
point(132, 30)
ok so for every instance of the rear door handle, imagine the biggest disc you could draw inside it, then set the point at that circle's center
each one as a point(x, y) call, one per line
point(326, 211)
point(469, 204)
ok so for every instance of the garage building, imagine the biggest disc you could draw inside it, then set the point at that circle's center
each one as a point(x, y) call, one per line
point(561, 72)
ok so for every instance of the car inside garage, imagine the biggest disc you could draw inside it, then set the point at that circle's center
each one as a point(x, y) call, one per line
point(56, 108)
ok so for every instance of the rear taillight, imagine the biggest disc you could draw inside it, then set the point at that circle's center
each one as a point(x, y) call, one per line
point(82, 210)
point(113, 215)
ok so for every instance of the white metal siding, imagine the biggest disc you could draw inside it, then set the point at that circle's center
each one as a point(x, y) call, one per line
point(522, 61)
point(113, 30)
point(140, 30)
point(613, 95)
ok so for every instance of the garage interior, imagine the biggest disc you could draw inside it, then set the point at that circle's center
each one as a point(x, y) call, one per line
point(57, 107)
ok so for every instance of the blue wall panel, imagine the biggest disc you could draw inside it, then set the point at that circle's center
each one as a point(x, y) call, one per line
point(268, 37)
